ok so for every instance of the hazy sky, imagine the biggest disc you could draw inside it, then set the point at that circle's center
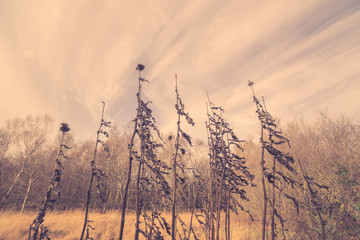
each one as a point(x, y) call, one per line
point(64, 57)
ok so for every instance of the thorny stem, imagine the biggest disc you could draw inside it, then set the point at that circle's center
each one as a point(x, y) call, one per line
point(273, 187)
point(138, 191)
point(219, 203)
point(218, 188)
point(273, 205)
point(138, 201)
point(173, 210)
point(211, 177)
point(92, 174)
point(262, 164)
point(54, 185)
point(194, 205)
point(225, 160)
point(124, 202)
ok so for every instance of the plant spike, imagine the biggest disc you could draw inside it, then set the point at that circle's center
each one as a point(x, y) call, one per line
point(180, 107)
point(262, 164)
point(274, 137)
point(139, 67)
point(226, 168)
point(97, 173)
point(53, 195)
point(150, 174)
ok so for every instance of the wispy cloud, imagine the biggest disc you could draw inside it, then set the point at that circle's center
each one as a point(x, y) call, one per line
point(64, 58)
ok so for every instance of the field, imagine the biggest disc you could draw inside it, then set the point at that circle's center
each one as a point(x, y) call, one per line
point(305, 187)
point(67, 225)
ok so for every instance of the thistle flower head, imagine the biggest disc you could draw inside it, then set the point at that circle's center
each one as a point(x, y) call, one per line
point(64, 127)
point(140, 67)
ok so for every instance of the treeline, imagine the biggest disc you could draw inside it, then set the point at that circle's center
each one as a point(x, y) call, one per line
point(299, 181)
point(329, 149)
point(27, 162)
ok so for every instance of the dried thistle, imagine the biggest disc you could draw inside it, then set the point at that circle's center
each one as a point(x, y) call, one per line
point(150, 165)
point(180, 107)
point(64, 127)
point(151, 171)
point(227, 169)
point(53, 194)
point(96, 172)
point(140, 67)
point(283, 170)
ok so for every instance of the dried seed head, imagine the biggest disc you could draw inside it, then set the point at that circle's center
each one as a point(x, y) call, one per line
point(250, 83)
point(140, 67)
point(64, 127)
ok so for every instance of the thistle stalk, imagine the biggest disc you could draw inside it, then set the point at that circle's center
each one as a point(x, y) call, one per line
point(53, 194)
point(140, 67)
point(95, 172)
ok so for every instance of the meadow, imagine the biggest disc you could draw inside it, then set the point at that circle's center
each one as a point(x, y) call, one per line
point(15, 225)
point(298, 182)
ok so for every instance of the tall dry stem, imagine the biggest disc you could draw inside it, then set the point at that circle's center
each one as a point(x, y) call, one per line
point(97, 173)
point(53, 194)
point(140, 67)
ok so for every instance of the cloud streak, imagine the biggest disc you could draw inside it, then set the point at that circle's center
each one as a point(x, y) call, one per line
point(65, 58)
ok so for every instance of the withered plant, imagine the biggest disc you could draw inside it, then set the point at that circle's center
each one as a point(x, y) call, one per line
point(283, 172)
point(151, 173)
point(53, 193)
point(272, 136)
point(96, 173)
point(315, 191)
point(198, 191)
point(179, 152)
point(137, 120)
point(228, 173)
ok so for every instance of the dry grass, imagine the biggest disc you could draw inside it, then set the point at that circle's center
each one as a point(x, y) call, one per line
point(68, 225)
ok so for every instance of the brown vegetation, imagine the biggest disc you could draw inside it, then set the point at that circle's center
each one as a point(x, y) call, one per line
point(307, 182)
point(65, 225)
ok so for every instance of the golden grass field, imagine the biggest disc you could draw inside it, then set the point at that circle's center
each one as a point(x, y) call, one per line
point(67, 225)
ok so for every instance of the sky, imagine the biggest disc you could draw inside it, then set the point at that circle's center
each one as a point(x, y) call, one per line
point(64, 57)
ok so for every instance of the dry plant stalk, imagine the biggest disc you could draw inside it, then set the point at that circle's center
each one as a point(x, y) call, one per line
point(150, 173)
point(228, 173)
point(150, 177)
point(97, 173)
point(198, 189)
point(139, 67)
point(180, 107)
point(53, 194)
point(278, 176)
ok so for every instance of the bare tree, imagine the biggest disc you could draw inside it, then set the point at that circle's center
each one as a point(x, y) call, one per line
point(29, 139)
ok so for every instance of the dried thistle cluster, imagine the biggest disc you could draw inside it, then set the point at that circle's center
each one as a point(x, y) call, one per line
point(152, 172)
point(160, 185)
point(53, 193)
point(179, 168)
point(283, 175)
point(228, 172)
